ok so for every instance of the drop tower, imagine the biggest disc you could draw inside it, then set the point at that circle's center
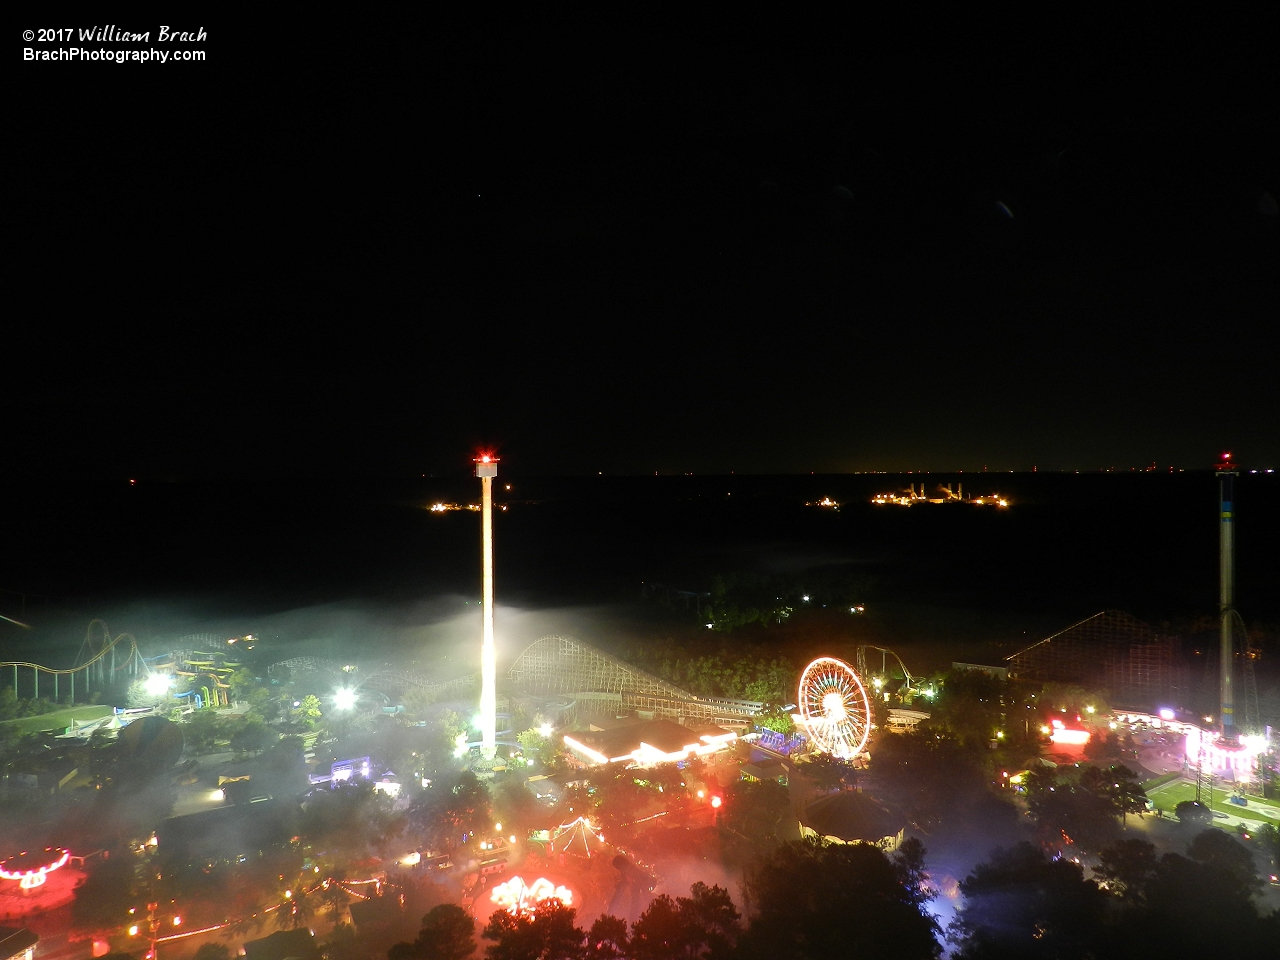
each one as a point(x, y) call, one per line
point(486, 470)
point(1227, 474)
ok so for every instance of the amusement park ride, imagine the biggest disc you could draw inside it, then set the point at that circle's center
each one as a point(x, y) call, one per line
point(833, 708)
point(104, 659)
point(31, 869)
point(100, 664)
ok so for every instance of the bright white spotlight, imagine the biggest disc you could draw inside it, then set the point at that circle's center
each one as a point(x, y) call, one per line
point(344, 698)
point(546, 730)
point(157, 684)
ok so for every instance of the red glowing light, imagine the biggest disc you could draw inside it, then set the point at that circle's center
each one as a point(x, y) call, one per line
point(1061, 735)
point(515, 897)
point(31, 869)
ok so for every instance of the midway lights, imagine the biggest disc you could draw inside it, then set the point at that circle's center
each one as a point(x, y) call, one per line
point(517, 898)
point(1061, 735)
point(647, 755)
point(32, 869)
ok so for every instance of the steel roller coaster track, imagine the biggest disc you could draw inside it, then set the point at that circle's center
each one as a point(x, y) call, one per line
point(101, 663)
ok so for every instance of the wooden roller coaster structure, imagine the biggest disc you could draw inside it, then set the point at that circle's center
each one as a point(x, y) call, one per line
point(100, 662)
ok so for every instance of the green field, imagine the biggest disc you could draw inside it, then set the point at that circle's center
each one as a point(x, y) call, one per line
point(57, 719)
point(1171, 794)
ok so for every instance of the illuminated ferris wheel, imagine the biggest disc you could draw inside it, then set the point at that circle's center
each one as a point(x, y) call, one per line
point(833, 708)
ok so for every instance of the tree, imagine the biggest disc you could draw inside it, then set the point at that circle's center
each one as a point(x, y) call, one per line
point(1229, 860)
point(1199, 903)
point(202, 730)
point(812, 899)
point(704, 924)
point(104, 897)
point(343, 943)
point(545, 933)
point(308, 711)
point(909, 861)
point(827, 772)
point(1193, 813)
point(970, 706)
point(252, 735)
point(1269, 837)
point(451, 809)
point(536, 747)
point(1126, 868)
point(242, 683)
point(351, 821)
point(1083, 808)
point(264, 704)
point(754, 808)
point(447, 933)
point(712, 923)
point(1126, 791)
point(933, 774)
point(1019, 903)
point(139, 696)
point(213, 951)
point(659, 933)
point(607, 939)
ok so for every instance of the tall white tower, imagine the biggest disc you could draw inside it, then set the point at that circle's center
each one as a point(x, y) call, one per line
point(486, 470)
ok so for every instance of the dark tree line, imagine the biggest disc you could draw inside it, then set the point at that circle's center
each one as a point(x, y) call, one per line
point(1022, 903)
point(806, 900)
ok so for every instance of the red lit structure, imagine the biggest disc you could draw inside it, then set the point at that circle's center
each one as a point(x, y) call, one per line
point(32, 869)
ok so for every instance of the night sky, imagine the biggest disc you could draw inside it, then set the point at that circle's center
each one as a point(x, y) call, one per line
point(364, 247)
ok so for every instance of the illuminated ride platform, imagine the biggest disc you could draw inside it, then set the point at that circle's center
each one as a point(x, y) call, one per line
point(37, 881)
point(1205, 748)
point(1211, 751)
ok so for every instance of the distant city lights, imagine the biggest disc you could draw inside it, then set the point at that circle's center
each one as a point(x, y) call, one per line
point(449, 507)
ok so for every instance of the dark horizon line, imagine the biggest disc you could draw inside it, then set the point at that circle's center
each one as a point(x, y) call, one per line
point(123, 479)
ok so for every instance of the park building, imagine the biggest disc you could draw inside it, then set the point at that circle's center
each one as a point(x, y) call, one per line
point(17, 943)
point(852, 816)
point(646, 742)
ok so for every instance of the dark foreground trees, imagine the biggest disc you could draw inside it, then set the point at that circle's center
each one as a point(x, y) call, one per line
point(815, 900)
point(808, 899)
point(447, 933)
point(1194, 814)
point(754, 809)
point(703, 926)
point(1021, 903)
point(547, 933)
point(1086, 807)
